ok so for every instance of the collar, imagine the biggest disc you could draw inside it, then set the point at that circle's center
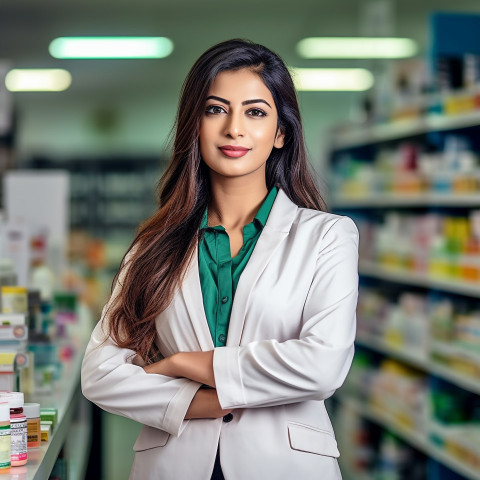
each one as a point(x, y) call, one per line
point(260, 217)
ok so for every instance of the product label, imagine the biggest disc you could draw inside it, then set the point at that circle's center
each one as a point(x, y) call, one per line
point(33, 431)
point(4, 447)
point(18, 439)
point(14, 303)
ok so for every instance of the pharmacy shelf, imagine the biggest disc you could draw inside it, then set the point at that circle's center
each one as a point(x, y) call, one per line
point(455, 377)
point(358, 137)
point(415, 438)
point(374, 343)
point(65, 397)
point(406, 201)
point(372, 269)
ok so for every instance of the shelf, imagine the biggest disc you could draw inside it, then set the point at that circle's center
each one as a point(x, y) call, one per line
point(65, 398)
point(405, 356)
point(407, 201)
point(372, 269)
point(414, 438)
point(453, 376)
point(403, 129)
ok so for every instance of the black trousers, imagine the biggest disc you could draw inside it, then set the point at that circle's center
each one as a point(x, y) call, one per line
point(217, 473)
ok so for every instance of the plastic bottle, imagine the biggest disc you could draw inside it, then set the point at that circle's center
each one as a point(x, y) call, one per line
point(4, 438)
point(43, 279)
point(8, 277)
point(14, 299)
point(18, 428)
point(32, 412)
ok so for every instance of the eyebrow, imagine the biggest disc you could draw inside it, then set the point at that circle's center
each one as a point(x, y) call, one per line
point(246, 102)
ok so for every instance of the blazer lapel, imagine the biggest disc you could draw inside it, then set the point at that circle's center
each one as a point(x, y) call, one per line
point(275, 231)
point(192, 293)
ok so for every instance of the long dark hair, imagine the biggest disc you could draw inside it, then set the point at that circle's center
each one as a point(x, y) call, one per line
point(164, 245)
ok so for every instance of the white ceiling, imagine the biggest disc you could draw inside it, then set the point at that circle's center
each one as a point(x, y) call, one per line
point(27, 27)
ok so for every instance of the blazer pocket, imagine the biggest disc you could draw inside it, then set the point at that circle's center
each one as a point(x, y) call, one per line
point(312, 440)
point(150, 437)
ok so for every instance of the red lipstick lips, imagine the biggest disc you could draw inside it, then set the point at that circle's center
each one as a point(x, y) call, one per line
point(234, 151)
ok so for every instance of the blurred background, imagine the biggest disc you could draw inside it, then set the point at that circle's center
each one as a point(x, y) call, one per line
point(395, 146)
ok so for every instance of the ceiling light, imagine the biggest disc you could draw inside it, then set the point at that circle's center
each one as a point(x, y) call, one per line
point(38, 80)
point(111, 47)
point(332, 79)
point(361, 47)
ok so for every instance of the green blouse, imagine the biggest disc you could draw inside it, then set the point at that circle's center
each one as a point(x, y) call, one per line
point(220, 273)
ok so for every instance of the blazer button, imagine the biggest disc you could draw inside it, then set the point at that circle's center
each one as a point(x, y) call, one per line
point(228, 418)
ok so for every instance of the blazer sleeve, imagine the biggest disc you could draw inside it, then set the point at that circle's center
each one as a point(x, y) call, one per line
point(313, 366)
point(112, 378)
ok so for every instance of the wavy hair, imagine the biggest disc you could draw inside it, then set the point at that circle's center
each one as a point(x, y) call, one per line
point(164, 244)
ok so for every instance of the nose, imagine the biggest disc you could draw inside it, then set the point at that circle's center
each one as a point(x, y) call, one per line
point(234, 126)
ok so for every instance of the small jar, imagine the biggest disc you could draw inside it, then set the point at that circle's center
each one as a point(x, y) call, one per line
point(14, 300)
point(4, 438)
point(32, 412)
point(18, 427)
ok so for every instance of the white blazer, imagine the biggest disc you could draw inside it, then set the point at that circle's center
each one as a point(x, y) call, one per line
point(289, 347)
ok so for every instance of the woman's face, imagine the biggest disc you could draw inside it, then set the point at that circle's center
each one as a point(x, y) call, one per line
point(239, 125)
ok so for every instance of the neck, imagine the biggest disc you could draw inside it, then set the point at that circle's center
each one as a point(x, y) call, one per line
point(235, 202)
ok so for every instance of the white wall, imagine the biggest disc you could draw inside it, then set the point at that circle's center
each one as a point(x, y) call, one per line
point(57, 126)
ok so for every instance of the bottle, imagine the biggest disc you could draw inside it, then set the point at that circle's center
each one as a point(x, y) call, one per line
point(4, 438)
point(43, 279)
point(14, 299)
point(8, 277)
point(18, 428)
point(32, 412)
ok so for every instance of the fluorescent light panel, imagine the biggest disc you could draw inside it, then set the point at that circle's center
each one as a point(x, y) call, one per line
point(361, 47)
point(111, 47)
point(332, 79)
point(38, 80)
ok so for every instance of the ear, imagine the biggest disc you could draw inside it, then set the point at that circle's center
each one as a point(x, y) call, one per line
point(279, 138)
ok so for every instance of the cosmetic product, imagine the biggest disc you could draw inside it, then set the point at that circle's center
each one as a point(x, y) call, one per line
point(32, 412)
point(14, 300)
point(46, 431)
point(49, 415)
point(4, 438)
point(18, 427)
point(8, 277)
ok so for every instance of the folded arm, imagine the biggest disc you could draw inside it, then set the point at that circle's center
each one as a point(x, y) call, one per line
point(313, 366)
point(114, 383)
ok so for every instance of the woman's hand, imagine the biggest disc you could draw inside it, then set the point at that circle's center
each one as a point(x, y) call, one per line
point(205, 404)
point(197, 366)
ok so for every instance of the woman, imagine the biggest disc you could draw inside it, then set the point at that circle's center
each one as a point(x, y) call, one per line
point(233, 314)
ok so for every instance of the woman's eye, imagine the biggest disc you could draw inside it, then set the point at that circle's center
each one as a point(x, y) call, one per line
point(214, 109)
point(256, 112)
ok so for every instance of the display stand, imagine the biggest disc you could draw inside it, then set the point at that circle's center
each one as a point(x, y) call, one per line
point(367, 203)
point(73, 429)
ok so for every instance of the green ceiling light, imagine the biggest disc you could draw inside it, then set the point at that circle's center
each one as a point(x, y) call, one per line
point(38, 80)
point(361, 47)
point(110, 47)
point(332, 79)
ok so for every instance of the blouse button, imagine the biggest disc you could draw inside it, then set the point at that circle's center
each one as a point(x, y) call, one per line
point(228, 418)
point(224, 300)
point(222, 338)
